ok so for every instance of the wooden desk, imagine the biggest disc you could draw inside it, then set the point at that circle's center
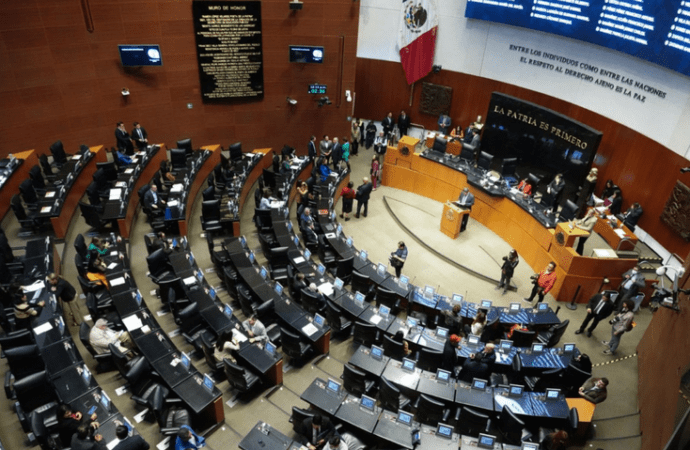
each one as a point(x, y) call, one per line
point(534, 242)
point(612, 238)
point(257, 171)
point(585, 412)
point(199, 179)
point(20, 174)
point(453, 147)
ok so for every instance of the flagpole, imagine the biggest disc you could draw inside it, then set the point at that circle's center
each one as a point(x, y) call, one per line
point(411, 93)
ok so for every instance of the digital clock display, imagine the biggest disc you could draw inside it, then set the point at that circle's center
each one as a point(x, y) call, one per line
point(317, 89)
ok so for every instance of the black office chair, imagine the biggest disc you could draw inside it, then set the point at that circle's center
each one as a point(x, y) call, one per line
point(240, 379)
point(47, 168)
point(28, 193)
point(102, 310)
point(209, 193)
point(326, 253)
point(344, 268)
point(31, 393)
point(210, 216)
point(393, 348)
point(186, 145)
point(568, 211)
point(48, 438)
point(340, 325)
point(141, 385)
point(430, 411)
point(429, 359)
point(278, 263)
point(298, 416)
point(80, 245)
point(365, 334)
point(93, 218)
point(269, 178)
point(440, 145)
point(91, 287)
point(510, 426)
point(178, 159)
point(311, 301)
point(58, 152)
point(293, 346)
point(37, 180)
point(551, 378)
point(169, 415)
point(390, 398)
point(267, 240)
point(109, 170)
point(573, 379)
point(28, 221)
point(121, 360)
point(534, 180)
point(554, 334)
point(522, 338)
point(208, 348)
point(235, 151)
point(468, 153)
point(471, 422)
point(14, 339)
point(388, 298)
point(101, 180)
point(515, 374)
point(355, 381)
point(191, 324)
point(24, 360)
point(484, 160)
point(508, 168)
point(159, 266)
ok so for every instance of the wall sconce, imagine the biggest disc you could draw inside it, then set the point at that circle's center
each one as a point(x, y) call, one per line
point(291, 101)
point(125, 92)
point(295, 5)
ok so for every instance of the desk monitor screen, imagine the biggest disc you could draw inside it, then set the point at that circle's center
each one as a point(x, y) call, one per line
point(319, 319)
point(408, 364)
point(296, 241)
point(227, 310)
point(359, 298)
point(174, 242)
point(529, 446)
point(404, 418)
point(61, 326)
point(243, 241)
point(191, 258)
point(404, 280)
point(199, 275)
point(384, 310)
point(339, 230)
point(183, 240)
point(212, 293)
point(515, 390)
point(338, 284)
point(478, 383)
point(444, 430)
point(184, 359)
point(486, 441)
point(270, 348)
point(457, 298)
point(208, 383)
point(367, 402)
point(442, 332)
point(411, 322)
point(542, 307)
point(86, 375)
point(568, 348)
point(289, 226)
point(349, 242)
point(105, 401)
point(537, 348)
point(473, 339)
point(321, 269)
point(514, 308)
point(307, 254)
point(363, 255)
point(381, 269)
point(376, 352)
point(442, 375)
point(278, 288)
point(53, 302)
point(505, 346)
point(552, 394)
point(251, 257)
point(138, 297)
point(485, 304)
point(428, 292)
point(333, 386)
point(263, 272)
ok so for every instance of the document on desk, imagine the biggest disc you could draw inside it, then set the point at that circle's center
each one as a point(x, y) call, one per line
point(117, 281)
point(189, 280)
point(375, 319)
point(115, 194)
point(620, 232)
point(43, 328)
point(46, 209)
point(299, 260)
point(277, 204)
point(310, 329)
point(36, 285)
point(330, 235)
point(132, 322)
point(128, 171)
point(326, 288)
point(112, 265)
point(76, 157)
point(173, 203)
point(121, 184)
point(50, 194)
point(177, 187)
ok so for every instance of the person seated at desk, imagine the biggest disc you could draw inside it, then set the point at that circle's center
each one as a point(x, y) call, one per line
point(134, 442)
point(188, 439)
point(23, 311)
point(594, 389)
point(286, 165)
point(265, 199)
point(306, 220)
point(477, 326)
point(320, 299)
point(160, 242)
point(557, 440)
point(101, 336)
point(298, 282)
point(68, 421)
point(225, 345)
point(525, 187)
point(100, 246)
point(315, 431)
point(475, 367)
point(453, 319)
point(632, 216)
point(336, 443)
point(122, 159)
point(487, 355)
point(466, 200)
point(153, 201)
point(84, 439)
point(587, 224)
point(324, 170)
point(450, 355)
point(582, 362)
point(255, 329)
point(399, 337)
point(457, 132)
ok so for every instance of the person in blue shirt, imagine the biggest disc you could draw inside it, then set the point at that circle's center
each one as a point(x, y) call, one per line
point(398, 258)
point(306, 220)
point(324, 170)
point(265, 200)
point(122, 159)
point(188, 439)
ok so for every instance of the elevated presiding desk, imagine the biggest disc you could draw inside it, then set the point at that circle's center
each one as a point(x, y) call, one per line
point(524, 225)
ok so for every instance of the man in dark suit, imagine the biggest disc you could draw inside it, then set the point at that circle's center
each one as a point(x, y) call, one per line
point(84, 439)
point(135, 442)
point(403, 123)
point(387, 124)
point(124, 142)
point(325, 147)
point(316, 430)
point(594, 390)
point(140, 136)
point(311, 148)
point(336, 153)
point(599, 308)
point(466, 200)
point(362, 196)
point(632, 215)
point(152, 200)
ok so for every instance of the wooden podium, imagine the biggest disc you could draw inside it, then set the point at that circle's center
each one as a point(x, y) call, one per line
point(451, 220)
point(570, 234)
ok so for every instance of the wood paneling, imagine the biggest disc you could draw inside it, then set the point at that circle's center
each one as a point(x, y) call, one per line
point(645, 170)
point(63, 82)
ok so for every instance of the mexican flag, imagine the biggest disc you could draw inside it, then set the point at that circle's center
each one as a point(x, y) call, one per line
point(417, 40)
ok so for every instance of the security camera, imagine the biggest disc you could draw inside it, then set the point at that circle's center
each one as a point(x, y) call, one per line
point(685, 170)
point(291, 101)
point(324, 101)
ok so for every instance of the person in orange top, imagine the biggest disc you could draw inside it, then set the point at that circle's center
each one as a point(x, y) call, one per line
point(543, 282)
point(525, 187)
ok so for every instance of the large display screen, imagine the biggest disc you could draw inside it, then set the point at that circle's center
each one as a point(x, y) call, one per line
point(543, 141)
point(655, 30)
point(140, 55)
